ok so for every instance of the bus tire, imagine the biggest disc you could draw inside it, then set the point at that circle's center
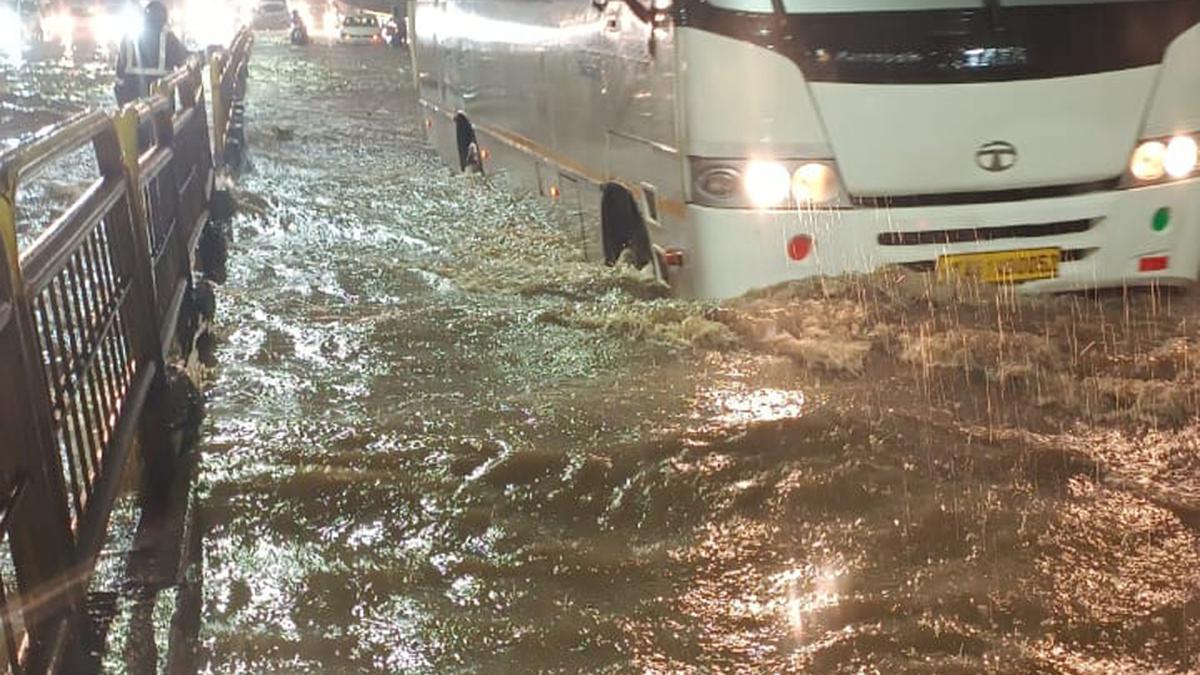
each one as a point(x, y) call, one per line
point(470, 159)
point(623, 229)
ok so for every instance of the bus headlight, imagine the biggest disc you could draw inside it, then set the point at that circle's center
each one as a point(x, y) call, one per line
point(719, 183)
point(1181, 157)
point(814, 183)
point(766, 184)
point(1147, 162)
point(1163, 159)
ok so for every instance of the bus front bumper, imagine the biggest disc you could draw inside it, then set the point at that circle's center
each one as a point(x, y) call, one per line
point(1104, 238)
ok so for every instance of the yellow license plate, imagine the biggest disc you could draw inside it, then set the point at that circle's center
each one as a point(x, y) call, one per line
point(1004, 266)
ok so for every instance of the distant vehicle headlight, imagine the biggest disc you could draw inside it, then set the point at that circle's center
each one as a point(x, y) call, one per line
point(60, 27)
point(10, 31)
point(133, 22)
point(106, 29)
point(112, 29)
point(767, 183)
point(1160, 160)
point(205, 26)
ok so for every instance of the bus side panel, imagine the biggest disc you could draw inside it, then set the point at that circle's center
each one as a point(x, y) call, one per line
point(500, 80)
point(642, 144)
point(562, 95)
point(579, 71)
point(529, 76)
point(428, 74)
point(426, 63)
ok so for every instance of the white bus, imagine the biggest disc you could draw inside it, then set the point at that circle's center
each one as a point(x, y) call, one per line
point(735, 144)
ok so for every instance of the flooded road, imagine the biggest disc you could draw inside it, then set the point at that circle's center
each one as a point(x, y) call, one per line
point(439, 442)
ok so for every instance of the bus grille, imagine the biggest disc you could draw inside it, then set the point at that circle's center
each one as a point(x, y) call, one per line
point(986, 196)
point(966, 235)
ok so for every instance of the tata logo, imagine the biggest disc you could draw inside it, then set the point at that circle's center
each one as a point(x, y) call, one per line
point(996, 156)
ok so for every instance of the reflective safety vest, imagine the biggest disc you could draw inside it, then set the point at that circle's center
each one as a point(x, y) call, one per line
point(133, 58)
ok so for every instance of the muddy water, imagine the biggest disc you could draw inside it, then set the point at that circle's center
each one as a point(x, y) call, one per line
point(438, 442)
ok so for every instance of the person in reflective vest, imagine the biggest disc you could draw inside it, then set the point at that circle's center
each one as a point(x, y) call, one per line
point(148, 57)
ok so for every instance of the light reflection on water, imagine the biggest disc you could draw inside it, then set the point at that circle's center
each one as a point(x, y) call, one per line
point(731, 407)
point(808, 591)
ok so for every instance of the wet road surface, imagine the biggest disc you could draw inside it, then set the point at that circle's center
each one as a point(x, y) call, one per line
point(439, 442)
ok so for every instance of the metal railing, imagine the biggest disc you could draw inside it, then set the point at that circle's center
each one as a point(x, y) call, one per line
point(12, 628)
point(175, 176)
point(90, 315)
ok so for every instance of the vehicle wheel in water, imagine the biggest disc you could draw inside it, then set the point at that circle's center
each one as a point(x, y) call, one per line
point(474, 161)
point(469, 156)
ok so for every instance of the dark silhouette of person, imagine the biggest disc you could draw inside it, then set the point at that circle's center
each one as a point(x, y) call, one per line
point(398, 17)
point(146, 58)
point(299, 30)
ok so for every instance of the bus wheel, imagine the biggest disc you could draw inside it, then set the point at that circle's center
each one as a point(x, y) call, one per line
point(470, 159)
point(624, 231)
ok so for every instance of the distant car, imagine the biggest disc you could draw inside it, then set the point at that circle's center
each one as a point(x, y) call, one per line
point(272, 15)
point(361, 29)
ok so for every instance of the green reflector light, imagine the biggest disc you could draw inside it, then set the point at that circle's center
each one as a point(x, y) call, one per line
point(1162, 218)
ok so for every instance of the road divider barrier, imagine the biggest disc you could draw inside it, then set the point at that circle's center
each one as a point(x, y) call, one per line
point(96, 317)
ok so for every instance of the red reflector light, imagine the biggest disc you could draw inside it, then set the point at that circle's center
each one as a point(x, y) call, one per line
point(799, 247)
point(1154, 263)
point(673, 257)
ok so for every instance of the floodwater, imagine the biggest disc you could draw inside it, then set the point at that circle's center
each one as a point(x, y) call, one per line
point(438, 441)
